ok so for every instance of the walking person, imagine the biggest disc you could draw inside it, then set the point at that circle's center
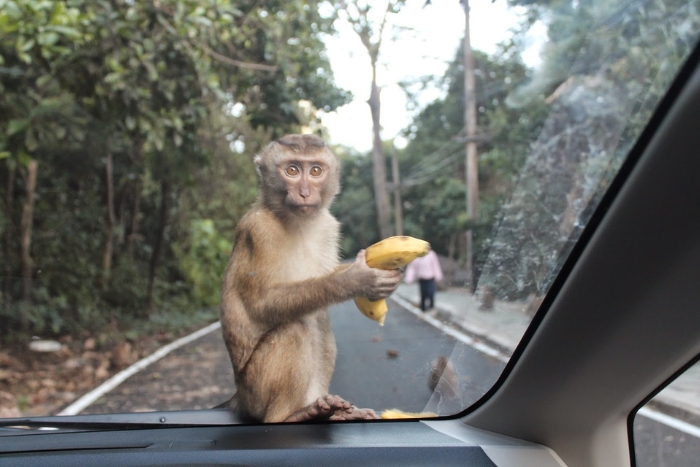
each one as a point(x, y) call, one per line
point(428, 272)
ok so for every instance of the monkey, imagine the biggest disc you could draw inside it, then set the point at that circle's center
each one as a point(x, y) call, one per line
point(443, 376)
point(282, 275)
point(443, 381)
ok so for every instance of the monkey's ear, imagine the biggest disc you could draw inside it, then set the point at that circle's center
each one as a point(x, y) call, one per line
point(257, 160)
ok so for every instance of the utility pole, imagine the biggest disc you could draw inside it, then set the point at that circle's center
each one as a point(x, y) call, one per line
point(471, 167)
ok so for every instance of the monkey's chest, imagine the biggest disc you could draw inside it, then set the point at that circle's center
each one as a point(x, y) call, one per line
point(309, 256)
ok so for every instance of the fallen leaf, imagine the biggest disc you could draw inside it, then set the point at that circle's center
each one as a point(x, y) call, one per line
point(392, 353)
point(376, 339)
point(89, 344)
point(103, 370)
point(121, 355)
point(8, 361)
point(73, 363)
point(10, 412)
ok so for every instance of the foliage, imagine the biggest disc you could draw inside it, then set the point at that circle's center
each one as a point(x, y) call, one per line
point(355, 207)
point(144, 117)
point(203, 260)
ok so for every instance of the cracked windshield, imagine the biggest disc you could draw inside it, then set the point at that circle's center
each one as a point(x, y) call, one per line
point(302, 210)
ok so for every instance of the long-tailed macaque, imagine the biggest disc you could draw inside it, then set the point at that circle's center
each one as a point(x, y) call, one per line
point(282, 275)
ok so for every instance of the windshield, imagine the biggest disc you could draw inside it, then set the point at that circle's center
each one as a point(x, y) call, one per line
point(128, 132)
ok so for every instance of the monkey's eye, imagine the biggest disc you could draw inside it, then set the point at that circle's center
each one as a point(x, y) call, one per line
point(316, 171)
point(292, 170)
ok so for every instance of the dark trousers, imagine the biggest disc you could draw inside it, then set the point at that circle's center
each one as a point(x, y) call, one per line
point(427, 293)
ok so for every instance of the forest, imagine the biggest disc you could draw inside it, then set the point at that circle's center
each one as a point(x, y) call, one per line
point(128, 129)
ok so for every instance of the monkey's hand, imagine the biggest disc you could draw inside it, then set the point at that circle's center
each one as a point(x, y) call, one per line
point(372, 283)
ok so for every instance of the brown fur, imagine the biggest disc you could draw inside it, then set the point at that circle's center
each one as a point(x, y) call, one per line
point(282, 275)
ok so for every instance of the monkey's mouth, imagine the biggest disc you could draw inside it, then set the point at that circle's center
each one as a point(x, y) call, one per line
point(305, 209)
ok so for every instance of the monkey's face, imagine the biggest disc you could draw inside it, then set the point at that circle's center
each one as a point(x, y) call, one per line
point(304, 179)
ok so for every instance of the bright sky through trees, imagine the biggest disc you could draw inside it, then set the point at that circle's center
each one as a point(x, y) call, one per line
point(429, 42)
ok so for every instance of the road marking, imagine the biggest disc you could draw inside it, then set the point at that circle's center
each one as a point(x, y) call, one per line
point(89, 398)
point(480, 346)
point(667, 420)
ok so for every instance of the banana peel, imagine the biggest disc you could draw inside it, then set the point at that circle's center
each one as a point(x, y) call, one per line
point(392, 414)
point(390, 253)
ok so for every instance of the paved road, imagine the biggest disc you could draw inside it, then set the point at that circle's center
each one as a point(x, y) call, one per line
point(368, 376)
point(378, 367)
point(657, 445)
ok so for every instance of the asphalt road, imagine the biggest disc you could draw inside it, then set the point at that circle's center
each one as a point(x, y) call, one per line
point(658, 445)
point(378, 367)
point(388, 367)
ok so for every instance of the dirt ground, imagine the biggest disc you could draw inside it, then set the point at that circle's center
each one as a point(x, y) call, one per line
point(35, 383)
point(196, 376)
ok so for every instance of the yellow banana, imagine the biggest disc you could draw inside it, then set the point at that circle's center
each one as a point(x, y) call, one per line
point(390, 414)
point(390, 253)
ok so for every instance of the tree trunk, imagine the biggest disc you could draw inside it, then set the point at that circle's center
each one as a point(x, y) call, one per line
point(9, 202)
point(398, 205)
point(380, 192)
point(121, 231)
point(158, 242)
point(452, 246)
point(111, 223)
point(134, 231)
point(471, 168)
point(26, 243)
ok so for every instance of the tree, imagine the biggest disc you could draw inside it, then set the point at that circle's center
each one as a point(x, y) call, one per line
point(371, 33)
point(128, 110)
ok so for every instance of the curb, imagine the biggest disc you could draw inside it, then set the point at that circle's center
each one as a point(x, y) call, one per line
point(444, 315)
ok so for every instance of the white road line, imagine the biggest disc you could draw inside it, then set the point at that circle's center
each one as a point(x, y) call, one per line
point(85, 401)
point(480, 346)
point(679, 425)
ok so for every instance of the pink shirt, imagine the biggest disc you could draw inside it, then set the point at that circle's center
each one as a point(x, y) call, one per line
point(426, 267)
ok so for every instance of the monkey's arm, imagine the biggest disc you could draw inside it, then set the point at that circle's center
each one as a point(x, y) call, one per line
point(285, 301)
point(253, 277)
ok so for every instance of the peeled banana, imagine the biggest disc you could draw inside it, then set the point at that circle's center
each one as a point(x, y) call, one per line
point(390, 253)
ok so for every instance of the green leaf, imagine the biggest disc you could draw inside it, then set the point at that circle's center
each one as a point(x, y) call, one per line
point(30, 141)
point(130, 122)
point(27, 45)
point(71, 33)
point(48, 38)
point(16, 126)
point(43, 80)
point(23, 158)
point(25, 57)
point(58, 14)
point(4, 154)
point(112, 78)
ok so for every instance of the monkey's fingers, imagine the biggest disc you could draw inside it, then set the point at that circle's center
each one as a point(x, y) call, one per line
point(338, 403)
point(322, 404)
point(357, 414)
